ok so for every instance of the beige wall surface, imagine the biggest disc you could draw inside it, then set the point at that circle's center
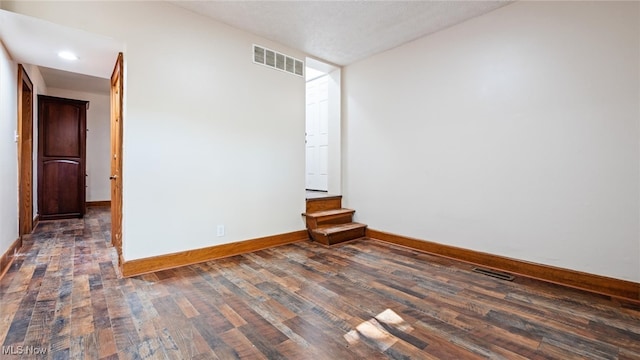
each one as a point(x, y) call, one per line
point(515, 133)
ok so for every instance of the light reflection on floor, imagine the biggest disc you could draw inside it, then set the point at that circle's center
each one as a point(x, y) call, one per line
point(373, 330)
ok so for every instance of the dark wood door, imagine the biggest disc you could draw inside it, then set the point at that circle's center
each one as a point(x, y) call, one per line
point(62, 130)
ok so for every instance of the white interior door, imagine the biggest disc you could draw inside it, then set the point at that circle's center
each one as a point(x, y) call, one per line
point(317, 128)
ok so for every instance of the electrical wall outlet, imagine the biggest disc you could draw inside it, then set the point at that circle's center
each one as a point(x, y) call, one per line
point(220, 230)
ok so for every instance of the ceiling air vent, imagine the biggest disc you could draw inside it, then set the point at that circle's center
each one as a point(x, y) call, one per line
point(278, 61)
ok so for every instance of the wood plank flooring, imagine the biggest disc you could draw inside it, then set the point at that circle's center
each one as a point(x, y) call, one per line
point(63, 299)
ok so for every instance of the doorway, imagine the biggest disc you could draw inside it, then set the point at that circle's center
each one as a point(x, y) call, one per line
point(317, 132)
point(117, 99)
point(322, 127)
point(25, 152)
point(62, 129)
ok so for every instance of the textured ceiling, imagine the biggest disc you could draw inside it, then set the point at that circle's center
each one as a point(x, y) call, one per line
point(341, 32)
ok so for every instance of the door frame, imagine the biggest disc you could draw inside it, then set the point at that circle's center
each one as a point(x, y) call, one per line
point(335, 123)
point(117, 102)
point(314, 136)
point(25, 154)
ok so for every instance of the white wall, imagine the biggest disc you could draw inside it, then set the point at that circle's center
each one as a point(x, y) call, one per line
point(8, 151)
point(8, 146)
point(515, 133)
point(98, 141)
point(209, 137)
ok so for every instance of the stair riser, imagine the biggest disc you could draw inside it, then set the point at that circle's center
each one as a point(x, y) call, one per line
point(319, 238)
point(337, 238)
point(316, 205)
point(313, 223)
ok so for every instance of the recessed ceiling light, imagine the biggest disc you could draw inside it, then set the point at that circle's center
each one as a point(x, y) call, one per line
point(68, 55)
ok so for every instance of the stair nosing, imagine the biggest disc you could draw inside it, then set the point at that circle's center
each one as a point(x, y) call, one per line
point(332, 197)
point(330, 212)
point(323, 228)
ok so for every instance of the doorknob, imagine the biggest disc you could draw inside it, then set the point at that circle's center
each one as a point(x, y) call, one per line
point(113, 177)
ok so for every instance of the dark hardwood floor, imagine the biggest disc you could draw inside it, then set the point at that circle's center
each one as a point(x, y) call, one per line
point(362, 299)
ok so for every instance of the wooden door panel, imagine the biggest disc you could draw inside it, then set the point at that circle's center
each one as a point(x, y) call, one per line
point(61, 157)
point(62, 137)
point(61, 185)
point(117, 97)
point(25, 151)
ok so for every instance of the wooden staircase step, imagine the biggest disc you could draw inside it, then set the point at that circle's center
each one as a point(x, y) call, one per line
point(332, 229)
point(336, 233)
point(335, 216)
point(331, 212)
point(324, 203)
